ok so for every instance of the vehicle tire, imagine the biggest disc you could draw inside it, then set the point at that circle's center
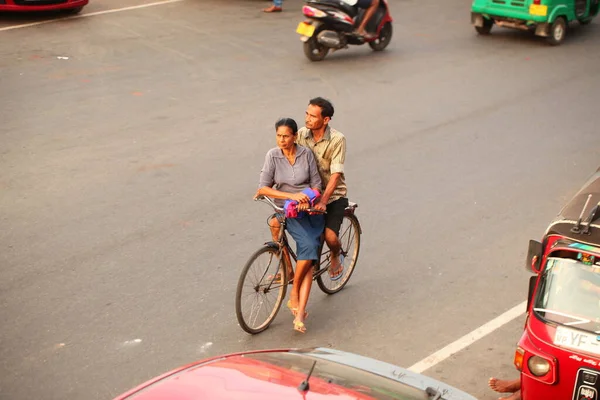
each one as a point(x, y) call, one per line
point(350, 239)
point(557, 33)
point(486, 28)
point(73, 11)
point(314, 50)
point(260, 290)
point(385, 36)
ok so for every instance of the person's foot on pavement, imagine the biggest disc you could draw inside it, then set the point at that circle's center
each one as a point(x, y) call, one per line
point(273, 9)
point(504, 386)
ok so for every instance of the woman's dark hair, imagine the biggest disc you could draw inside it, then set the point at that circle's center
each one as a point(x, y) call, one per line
point(325, 105)
point(290, 123)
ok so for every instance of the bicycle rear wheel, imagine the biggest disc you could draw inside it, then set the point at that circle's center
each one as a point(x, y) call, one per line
point(350, 241)
point(259, 293)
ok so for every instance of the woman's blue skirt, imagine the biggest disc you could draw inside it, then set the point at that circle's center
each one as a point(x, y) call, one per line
point(306, 232)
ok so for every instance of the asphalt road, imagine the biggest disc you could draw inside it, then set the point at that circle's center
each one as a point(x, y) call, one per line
point(130, 148)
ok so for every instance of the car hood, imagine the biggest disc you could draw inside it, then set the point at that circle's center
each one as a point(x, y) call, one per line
point(278, 374)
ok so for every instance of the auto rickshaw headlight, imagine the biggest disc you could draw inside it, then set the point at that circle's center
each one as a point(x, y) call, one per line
point(538, 366)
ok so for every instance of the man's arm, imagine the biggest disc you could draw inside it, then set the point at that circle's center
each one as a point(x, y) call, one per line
point(328, 191)
point(338, 157)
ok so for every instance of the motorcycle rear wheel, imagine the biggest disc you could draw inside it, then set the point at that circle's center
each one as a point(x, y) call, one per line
point(385, 37)
point(314, 50)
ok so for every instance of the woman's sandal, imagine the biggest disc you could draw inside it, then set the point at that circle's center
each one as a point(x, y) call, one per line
point(299, 326)
point(292, 309)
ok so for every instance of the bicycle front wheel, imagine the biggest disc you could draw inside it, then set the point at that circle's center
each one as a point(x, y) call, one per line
point(350, 240)
point(260, 290)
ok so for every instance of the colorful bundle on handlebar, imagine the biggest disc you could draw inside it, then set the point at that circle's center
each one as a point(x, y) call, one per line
point(291, 206)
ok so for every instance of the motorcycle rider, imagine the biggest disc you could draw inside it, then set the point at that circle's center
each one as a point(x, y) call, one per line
point(370, 6)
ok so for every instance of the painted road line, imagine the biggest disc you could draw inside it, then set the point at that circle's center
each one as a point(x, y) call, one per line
point(469, 338)
point(92, 14)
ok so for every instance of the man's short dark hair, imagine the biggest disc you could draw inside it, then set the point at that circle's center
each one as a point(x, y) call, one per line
point(325, 105)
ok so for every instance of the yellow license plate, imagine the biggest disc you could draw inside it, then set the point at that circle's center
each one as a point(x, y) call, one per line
point(305, 29)
point(538, 9)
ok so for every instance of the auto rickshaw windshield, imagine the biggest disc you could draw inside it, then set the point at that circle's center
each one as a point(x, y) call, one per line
point(569, 294)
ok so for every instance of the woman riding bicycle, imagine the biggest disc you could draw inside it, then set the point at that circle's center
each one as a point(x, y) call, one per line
point(293, 168)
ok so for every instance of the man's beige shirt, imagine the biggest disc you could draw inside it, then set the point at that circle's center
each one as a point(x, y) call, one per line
point(330, 153)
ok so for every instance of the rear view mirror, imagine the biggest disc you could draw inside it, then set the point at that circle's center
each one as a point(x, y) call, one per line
point(534, 256)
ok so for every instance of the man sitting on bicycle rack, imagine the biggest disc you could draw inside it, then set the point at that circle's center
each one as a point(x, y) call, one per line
point(329, 148)
point(293, 168)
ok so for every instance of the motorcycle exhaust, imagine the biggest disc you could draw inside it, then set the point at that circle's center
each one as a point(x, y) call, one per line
point(329, 39)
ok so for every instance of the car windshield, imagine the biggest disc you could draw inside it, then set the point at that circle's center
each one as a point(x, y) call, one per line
point(569, 294)
point(365, 383)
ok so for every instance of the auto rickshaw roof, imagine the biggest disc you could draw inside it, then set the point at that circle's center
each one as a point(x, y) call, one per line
point(580, 208)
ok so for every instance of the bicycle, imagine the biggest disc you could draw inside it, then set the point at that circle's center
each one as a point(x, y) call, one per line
point(272, 278)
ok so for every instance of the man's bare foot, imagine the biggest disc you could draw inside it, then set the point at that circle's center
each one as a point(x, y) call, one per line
point(336, 268)
point(364, 34)
point(515, 396)
point(273, 9)
point(504, 386)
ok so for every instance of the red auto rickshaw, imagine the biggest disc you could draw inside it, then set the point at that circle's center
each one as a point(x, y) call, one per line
point(558, 354)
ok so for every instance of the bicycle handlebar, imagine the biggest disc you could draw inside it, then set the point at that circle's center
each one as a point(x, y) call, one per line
point(270, 202)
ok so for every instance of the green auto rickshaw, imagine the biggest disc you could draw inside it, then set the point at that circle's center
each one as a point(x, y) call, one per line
point(547, 18)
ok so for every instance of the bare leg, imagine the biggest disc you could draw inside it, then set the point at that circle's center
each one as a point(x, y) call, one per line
point(302, 267)
point(275, 227)
point(368, 14)
point(306, 267)
point(333, 242)
point(505, 386)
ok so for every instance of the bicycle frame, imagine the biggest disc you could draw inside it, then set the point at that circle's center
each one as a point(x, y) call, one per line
point(283, 242)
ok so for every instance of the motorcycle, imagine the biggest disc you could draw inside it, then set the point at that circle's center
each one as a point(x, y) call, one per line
point(331, 24)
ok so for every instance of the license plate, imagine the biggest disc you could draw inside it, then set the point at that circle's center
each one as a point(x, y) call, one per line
point(305, 29)
point(578, 340)
point(538, 9)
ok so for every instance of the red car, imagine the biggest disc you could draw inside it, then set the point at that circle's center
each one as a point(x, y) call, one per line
point(72, 6)
point(308, 374)
point(559, 352)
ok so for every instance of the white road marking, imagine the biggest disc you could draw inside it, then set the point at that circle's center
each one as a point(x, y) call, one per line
point(469, 339)
point(132, 342)
point(205, 347)
point(114, 10)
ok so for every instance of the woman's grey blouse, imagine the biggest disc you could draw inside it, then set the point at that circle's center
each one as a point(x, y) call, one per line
point(278, 171)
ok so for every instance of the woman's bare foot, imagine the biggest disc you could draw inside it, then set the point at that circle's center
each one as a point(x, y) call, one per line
point(504, 386)
point(292, 304)
point(515, 396)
